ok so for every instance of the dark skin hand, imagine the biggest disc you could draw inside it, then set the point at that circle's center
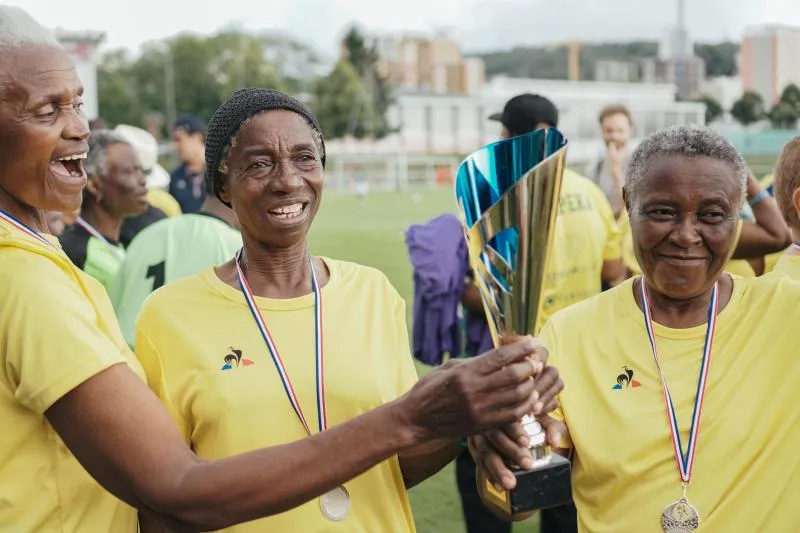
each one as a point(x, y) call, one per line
point(425, 460)
point(512, 443)
point(119, 431)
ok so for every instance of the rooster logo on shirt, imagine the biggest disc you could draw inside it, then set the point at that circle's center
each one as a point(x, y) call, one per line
point(625, 380)
point(234, 359)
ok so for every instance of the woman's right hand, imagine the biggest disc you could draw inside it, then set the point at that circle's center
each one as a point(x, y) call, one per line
point(466, 397)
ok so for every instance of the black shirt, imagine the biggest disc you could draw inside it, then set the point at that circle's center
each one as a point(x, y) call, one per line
point(132, 226)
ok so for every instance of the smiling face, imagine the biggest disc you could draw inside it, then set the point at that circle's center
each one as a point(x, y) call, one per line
point(274, 180)
point(683, 220)
point(43, 129)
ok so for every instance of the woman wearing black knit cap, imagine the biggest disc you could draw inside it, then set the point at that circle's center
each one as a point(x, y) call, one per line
point(276, 345)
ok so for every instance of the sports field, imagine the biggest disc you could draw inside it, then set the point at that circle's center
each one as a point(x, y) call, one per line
point(371, 233)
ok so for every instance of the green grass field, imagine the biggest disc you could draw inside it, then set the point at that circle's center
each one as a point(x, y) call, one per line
point(371, 233)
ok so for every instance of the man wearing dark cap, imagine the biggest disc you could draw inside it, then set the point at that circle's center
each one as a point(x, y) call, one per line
point(186, 182)
point(524, 110)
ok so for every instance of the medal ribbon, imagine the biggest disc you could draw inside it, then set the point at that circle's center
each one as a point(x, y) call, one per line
point(93, 232)
point(685, 460)
point(24, 227)
point(322, 416)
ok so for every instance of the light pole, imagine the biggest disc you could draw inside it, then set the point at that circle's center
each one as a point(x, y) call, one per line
point(169, 83)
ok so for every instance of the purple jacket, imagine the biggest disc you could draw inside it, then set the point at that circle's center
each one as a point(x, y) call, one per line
point(438, 254)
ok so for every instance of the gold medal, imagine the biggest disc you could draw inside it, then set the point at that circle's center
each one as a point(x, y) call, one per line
point(335, 504)
point(680, 517)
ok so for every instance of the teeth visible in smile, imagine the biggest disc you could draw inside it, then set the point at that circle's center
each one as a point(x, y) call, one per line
point(287, 211)
point(73, 157)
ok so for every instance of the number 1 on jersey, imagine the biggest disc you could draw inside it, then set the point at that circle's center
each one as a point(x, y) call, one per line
point(157, 273)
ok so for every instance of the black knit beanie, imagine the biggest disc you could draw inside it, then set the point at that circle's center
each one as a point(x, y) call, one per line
point(230, 116)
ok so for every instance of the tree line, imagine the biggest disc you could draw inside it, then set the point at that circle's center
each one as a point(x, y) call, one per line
point(194, 74)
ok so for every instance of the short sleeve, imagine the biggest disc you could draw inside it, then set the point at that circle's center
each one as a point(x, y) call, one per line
point(406, 371)
point(613, 247)
point(547, 337)
point(52, 339)
point(151, 362)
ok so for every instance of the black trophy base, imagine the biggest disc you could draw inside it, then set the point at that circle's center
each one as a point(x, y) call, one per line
point(542, 487)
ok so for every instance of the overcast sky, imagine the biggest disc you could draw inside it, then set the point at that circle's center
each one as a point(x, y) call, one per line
point(478, 24)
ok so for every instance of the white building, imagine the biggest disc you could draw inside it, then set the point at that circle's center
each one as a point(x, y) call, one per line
point(724, 89)
point(458, 124)
point(83, 49)
point(769, 60)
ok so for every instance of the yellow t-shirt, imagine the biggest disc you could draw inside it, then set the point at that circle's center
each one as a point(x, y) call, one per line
point(739, 267)
point(586, 234)
point(187, 328)
point(789, 264)
point(164, 201)
point(771, 260)
point(747, 469)
point(57, 329)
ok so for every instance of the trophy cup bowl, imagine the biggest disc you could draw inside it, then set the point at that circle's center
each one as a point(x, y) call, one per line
point(507, 194)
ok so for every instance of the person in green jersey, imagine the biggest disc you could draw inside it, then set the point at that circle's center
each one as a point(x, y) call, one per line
point(170, 249)
point(116, 189)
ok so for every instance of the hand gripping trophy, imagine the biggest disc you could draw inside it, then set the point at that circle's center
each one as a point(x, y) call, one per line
point(507, 193)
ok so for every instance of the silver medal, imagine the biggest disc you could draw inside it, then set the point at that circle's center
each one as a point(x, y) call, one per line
point(335, 504)
point(680, 517)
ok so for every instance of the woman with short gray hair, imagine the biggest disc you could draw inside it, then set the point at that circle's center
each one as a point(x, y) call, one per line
point(760, 229)
point(680, 409)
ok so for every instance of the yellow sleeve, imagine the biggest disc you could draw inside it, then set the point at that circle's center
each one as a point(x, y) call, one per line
point(50, 333)
point(406, 371)
point(613, 249)
point(151, 361)
point(164, 201)
point(548, 339)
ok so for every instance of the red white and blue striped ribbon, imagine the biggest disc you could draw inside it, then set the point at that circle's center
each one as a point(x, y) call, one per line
point(322, 416)
point(24, 227)
point(685, 460)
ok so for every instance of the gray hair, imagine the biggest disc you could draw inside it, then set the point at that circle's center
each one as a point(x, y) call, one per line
point(690, 141)
point(224, 162)
point(18, 29)
point(96, 163)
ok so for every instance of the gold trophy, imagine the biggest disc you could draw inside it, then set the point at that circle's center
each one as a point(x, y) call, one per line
point(507, 194)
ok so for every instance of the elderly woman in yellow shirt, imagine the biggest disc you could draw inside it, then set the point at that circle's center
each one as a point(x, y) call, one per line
point(72, 396)
point(681, 408)
point(290, 343)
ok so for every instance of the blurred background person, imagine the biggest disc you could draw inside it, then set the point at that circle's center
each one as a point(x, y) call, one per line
point(116, 189)
point(787, 194)
point(608, 169)
point(186, 181)
point(158, 179)
point(160, 204)
point(171, 249)
point(586, 255)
